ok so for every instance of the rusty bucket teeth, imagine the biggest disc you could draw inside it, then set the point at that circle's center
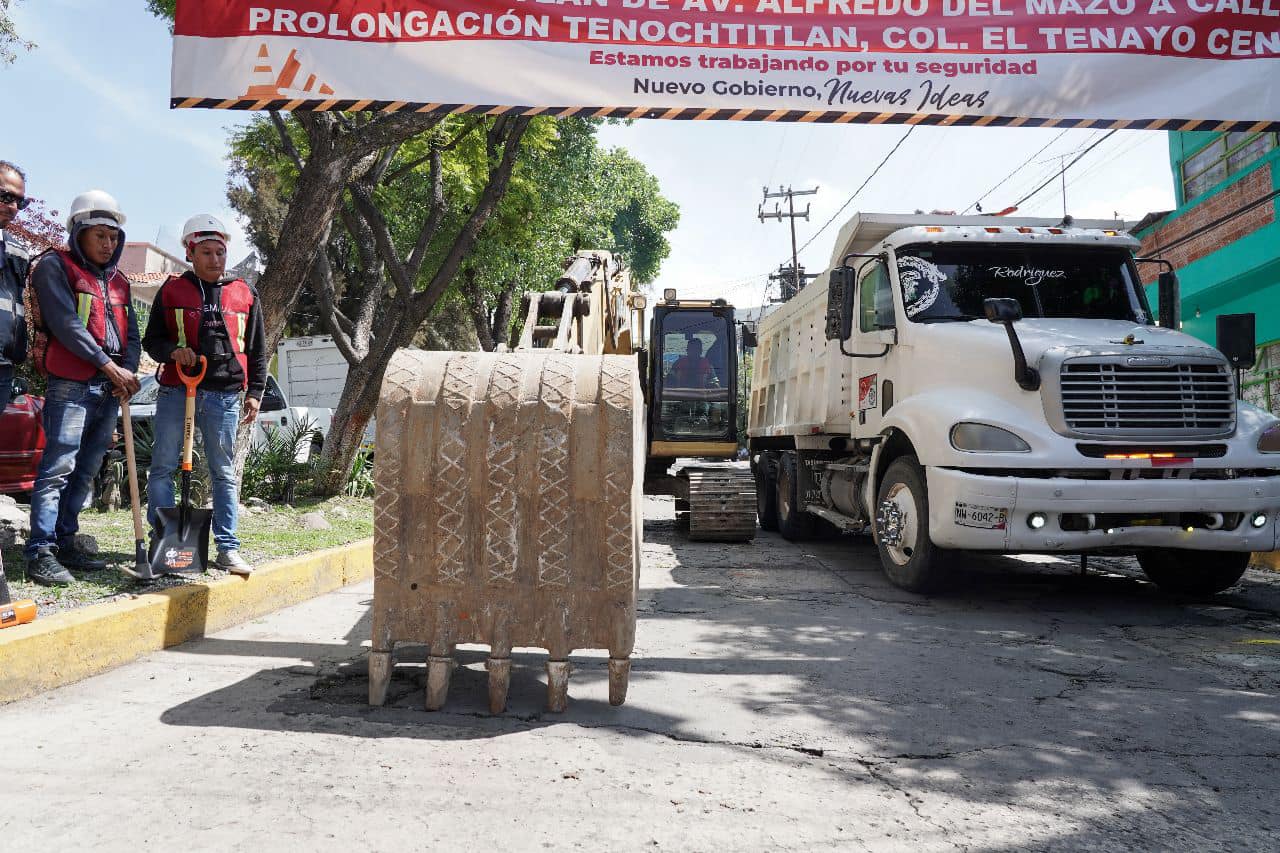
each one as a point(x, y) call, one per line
point(499, 683)
point(379, 677)
point(507, 512)
point(439, 669)
point(619, 673)
point(557, 686)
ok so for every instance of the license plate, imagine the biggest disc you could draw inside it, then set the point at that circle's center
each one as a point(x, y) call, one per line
point(984, 517)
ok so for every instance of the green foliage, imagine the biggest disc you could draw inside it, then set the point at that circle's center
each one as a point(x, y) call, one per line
point(162, 8)
point(272, 470)
point(360, 478)
point(565, 194)
point(9, 38)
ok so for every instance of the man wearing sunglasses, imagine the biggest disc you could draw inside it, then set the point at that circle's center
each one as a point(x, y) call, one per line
point(86, 342)
point(14, 263)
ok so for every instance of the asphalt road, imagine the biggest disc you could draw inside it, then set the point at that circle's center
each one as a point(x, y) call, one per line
point(783, 697)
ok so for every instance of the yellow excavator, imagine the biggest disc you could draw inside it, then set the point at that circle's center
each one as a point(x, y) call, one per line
point(688, 363)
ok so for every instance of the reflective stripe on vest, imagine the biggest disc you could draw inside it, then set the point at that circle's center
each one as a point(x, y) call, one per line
point(239, 334)
point(84, 307)
point(182, 329)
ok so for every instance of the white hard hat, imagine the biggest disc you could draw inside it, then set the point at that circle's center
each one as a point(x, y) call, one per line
point(95, 208)
point(201, 227)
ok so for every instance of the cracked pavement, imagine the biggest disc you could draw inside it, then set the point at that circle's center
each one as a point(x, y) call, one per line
point(783, 697)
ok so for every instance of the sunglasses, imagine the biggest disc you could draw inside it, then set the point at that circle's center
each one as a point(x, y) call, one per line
point(7, 197)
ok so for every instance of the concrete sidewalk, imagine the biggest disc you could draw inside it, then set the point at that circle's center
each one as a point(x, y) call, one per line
point(784, 697)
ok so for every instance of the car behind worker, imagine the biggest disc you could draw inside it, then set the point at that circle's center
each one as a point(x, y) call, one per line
point(86, 342)
point(14, 266)
point(203, 312)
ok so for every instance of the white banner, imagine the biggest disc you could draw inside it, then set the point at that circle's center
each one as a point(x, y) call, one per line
point(1160, 64)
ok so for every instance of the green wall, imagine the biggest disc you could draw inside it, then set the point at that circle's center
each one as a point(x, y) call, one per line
point(1240, 277)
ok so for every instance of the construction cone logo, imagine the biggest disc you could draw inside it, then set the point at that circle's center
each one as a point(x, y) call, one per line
point(267, 85)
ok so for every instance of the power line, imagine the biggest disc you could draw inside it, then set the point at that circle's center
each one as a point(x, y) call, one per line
point(1014, 172)
point(1063, 171)
point(863, 186)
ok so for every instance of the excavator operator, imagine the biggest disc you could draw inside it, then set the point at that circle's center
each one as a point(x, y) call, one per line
point(692, 370)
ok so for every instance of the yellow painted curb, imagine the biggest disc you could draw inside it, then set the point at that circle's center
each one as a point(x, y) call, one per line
point(1266, 560)
point(67, 647)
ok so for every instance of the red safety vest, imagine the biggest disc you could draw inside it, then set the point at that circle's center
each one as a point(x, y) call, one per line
point(54, 359)
point(182, 302)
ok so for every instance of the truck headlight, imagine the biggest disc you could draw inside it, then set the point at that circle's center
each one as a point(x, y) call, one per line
point(984, 438)
point(1269, 442)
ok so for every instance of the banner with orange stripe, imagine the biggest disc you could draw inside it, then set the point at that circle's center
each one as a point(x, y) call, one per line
point(1159, 64)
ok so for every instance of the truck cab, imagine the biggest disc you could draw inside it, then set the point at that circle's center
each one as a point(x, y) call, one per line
point(1002, 385)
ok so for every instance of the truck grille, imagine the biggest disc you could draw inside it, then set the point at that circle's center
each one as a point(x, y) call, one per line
point(1105, 397)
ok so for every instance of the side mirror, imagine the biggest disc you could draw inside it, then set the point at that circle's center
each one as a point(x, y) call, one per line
point(840, 293)
point(1170, 300)
point(749, 339)
point(1237, 339)
point(1002, 310)
point(1006, 312)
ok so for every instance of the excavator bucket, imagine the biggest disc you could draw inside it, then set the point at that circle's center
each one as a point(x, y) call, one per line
point(507, 513)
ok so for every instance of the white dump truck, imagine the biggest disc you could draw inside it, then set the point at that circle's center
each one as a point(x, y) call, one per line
point(1001, 384)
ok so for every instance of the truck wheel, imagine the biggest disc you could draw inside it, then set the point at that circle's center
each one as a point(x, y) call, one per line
point(907, 554)
point(793, 523)
point(767, 491)
point(1196, 573)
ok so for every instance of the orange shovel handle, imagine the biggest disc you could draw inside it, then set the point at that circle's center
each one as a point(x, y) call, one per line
point(191, 380)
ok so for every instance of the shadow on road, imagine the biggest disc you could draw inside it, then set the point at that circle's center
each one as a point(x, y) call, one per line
point(1094, 701)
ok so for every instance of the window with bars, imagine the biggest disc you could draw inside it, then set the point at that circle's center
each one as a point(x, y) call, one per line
point(1227, 155)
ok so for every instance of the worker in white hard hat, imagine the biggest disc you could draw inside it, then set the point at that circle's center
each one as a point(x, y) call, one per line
point(86, 342)
point(206, 312)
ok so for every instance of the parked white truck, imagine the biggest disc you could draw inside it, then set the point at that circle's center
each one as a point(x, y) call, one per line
point(313, 372)
point(998, 384)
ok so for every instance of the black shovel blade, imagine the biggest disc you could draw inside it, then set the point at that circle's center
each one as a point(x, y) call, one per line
point(180, 545)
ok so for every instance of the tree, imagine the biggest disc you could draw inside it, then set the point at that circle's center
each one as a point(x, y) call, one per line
point(9, 38)
point(586, 198)
point(410, 216)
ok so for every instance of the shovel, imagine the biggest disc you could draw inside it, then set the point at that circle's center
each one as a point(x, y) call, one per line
point(141, 569)
point(181, 542)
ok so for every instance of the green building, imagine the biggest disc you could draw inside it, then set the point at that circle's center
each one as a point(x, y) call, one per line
point(1224, 240)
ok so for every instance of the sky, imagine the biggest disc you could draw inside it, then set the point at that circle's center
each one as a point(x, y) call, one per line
point(88, 108)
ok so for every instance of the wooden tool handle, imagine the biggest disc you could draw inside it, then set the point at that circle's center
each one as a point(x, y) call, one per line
point(131, 462)
point(188, 431)
point(191, 380)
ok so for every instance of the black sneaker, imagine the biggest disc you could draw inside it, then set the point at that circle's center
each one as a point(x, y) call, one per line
point(45, 570)
point(78, 561)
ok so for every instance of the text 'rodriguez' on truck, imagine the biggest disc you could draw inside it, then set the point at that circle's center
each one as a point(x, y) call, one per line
point(999, 384)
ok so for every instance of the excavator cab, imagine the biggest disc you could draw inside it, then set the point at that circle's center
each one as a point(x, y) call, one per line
point(693, 369)
point(691, 390)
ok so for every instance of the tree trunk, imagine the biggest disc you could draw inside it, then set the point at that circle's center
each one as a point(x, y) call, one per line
point(355, 409)
point(305, 226)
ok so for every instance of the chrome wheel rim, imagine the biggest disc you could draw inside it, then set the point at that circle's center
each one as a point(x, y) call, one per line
point(897, 523)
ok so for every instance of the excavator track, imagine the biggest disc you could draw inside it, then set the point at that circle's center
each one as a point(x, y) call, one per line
point(721, 502)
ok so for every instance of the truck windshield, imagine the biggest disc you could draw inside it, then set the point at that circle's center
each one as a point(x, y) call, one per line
point(695, 380)
point(944, 283)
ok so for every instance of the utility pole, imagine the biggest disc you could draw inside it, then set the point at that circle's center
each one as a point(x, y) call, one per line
point(795, 271)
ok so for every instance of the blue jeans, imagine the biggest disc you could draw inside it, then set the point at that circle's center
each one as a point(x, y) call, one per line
point(79, 419)
point(217, 418)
